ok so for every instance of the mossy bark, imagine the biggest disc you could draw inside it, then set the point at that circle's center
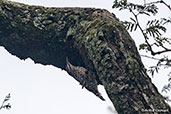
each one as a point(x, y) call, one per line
point(92, 38)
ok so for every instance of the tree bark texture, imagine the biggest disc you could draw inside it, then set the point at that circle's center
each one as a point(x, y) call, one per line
point(93, 39)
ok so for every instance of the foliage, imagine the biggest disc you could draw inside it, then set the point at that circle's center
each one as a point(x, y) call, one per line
point(153, 32)
point(5, 104)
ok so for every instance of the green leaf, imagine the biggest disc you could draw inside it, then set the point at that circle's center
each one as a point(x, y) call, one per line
point(133, 19)
point(143, 46)
point(146, 13)
point(132, 27)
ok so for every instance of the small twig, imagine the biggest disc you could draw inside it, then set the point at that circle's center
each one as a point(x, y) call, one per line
point(156, 2)
point(164, 47)
point(159, 60)
point(160, 1)
point(150, 57)
point(160, 52)
point(166, 4)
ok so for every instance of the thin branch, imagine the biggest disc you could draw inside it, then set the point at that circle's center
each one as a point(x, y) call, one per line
point(142, 31)
point(166, 4)
point(150, 57)
point(160, 1)
point(156, 2)
point(159, 60)
point(160, 52)
point(146, 38)
point(164, 47)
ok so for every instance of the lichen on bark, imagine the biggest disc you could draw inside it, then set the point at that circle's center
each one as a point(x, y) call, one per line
point(91, 38)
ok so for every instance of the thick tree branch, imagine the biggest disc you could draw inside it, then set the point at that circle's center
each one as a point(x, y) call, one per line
point(94, 41)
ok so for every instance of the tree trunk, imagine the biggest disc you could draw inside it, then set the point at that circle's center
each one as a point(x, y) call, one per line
point(98, 48)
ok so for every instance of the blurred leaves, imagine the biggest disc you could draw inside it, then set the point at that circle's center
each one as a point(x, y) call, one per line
point(153, 31)
point(141, 9)
point(155, 28)
point(167, 98)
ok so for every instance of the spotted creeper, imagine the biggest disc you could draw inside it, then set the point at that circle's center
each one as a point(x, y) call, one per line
point(85, 77)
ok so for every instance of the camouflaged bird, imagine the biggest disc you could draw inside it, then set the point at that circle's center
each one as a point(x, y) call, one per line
point(85, 77)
